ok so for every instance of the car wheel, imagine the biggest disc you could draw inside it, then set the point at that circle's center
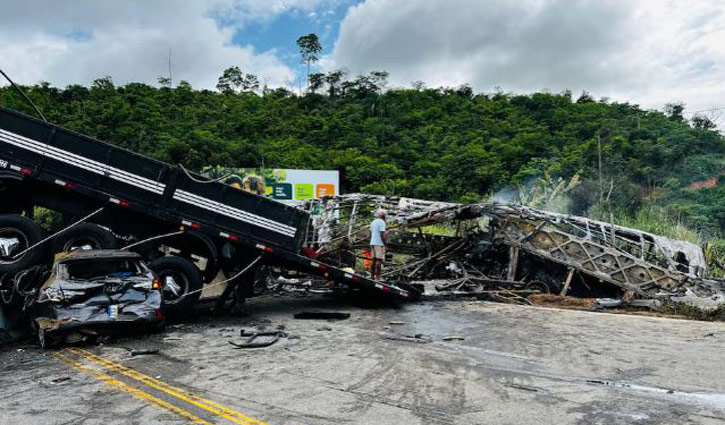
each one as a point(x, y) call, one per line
point(84, 236)
point(178, 277)
point(18, 233)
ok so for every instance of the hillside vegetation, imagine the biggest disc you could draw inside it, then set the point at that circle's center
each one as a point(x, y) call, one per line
point(444, 144)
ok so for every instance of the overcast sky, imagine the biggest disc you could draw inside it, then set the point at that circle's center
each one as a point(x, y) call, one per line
point(648, 52)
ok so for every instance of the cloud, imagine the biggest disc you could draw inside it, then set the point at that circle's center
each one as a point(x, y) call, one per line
point(76, 42)
point(240, 12)
point(643, 51)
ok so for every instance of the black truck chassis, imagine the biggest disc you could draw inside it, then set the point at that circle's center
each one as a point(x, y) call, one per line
point(42, 164)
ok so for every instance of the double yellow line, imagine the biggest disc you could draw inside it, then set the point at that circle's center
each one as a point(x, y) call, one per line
point(175, 392)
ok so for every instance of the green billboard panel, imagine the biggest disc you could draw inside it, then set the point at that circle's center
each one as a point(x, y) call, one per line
point(304, 191)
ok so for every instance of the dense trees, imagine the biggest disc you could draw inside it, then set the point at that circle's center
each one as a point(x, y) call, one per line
point(444, 143)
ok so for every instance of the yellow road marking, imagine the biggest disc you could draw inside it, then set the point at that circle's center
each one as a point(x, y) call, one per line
point(135, 392)
point(179, 393)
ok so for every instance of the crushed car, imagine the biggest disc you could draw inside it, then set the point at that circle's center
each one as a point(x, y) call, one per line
point(90, 293)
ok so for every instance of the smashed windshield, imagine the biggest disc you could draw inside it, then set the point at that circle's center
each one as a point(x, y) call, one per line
point(100, 268)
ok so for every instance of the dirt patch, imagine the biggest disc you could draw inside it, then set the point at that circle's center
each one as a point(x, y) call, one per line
point(551, 300)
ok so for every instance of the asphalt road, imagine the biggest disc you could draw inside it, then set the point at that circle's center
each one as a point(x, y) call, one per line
point(516, 365)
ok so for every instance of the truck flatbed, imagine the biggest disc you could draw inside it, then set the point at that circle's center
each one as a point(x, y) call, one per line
point(50, 166)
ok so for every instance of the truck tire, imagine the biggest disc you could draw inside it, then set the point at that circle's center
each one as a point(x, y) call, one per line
point(17, 233)
point(84, 236)
point(186, 276)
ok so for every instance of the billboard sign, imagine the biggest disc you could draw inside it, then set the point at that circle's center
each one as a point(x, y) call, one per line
point(284, 185)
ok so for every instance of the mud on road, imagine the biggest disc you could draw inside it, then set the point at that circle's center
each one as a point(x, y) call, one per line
point(382, 366)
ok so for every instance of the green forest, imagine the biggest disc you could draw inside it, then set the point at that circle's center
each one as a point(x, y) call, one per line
point(560, 151)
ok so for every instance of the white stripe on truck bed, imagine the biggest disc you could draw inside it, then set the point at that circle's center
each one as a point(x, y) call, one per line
point(81, 162)
point(142, 182)
point(219, 208)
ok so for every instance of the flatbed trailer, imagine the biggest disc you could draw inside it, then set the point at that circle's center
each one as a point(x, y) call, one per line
point(45, 165)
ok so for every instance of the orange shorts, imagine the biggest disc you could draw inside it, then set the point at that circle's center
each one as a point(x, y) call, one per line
point(378, 251)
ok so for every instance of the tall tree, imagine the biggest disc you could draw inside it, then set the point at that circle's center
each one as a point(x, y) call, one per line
point(233, 79)
point(316, 81)
point(675, 111)
point(703, 122)
point(585, 97)
point(333, 80)
point(310, 49)
point(418, 85)
point(230, 79)
point(250, 82)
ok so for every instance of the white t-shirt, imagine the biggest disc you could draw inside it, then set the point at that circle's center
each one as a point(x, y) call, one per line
point(375, 229)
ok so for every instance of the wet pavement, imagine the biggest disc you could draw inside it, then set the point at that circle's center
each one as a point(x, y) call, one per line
point(515, 365)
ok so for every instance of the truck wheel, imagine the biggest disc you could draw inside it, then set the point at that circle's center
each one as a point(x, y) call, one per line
point(84, 236)
point(17, 233)
point(179, 277)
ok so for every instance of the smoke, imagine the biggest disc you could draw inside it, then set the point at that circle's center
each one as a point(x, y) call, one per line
point(506, 195)
point(543, 192)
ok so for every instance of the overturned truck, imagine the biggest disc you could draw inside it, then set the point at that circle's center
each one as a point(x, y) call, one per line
point(509, 251)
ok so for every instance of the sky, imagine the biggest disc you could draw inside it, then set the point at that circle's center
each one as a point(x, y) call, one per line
point(647, 52)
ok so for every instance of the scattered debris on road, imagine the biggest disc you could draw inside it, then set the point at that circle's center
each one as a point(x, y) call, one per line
point(419, 338)
point(258, 339)
point(322, 315)
point(143, 352)
point(454, 338)
point(60, 380)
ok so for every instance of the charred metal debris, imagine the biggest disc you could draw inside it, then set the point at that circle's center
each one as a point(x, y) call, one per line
point(510, 252)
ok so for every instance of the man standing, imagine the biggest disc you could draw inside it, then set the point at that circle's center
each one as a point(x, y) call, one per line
point(377, 243)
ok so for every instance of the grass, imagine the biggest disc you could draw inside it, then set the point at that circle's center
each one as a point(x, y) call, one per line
point(653, 219)
point(656, 220)
point(692, 312)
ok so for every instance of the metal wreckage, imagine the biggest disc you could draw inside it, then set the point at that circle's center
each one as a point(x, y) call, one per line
point(514, 253)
